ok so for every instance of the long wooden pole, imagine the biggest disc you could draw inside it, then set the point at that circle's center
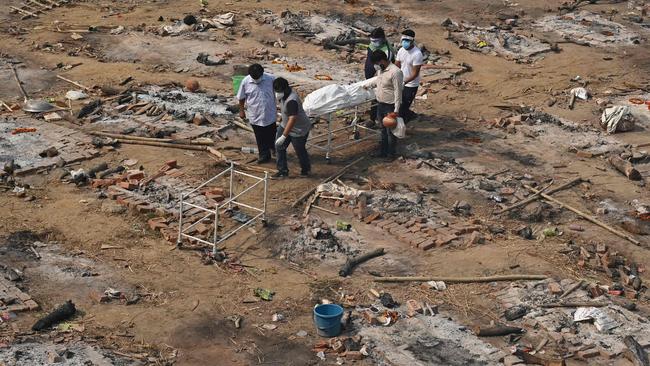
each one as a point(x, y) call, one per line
point(163, 144)
point(536, 196)
point(242, 125)
point(462, 279)
point(586, 217)
point(328, 179)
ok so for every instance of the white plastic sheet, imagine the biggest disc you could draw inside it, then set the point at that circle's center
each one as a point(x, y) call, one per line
point(400, 129)
point(617, 119)
point(331, 98)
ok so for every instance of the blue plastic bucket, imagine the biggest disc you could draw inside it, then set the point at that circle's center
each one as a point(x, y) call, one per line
point(327, 318)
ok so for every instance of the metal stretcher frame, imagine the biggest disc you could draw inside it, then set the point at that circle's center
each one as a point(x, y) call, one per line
point(315, 142)
point(232, 200)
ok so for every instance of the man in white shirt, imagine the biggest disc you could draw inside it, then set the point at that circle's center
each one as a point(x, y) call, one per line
point(410, 60)
point(257, 103)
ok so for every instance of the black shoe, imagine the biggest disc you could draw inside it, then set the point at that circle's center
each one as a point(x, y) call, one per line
point(379, 155)
point(280, 174)
point(263, 160)
point(305, 173)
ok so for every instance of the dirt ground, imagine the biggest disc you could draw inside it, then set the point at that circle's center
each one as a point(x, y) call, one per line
point(185, 309)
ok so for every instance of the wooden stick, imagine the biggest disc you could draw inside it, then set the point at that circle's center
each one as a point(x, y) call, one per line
point(31, 7)
point(43, 6)
point(163, 144)
point(20, 85)
point(328, 179)
point(24, 11)
point(349, 265)
point(325, 210)
point(152, 139)
point(625, 167)
point(573, 288)
point(574, 305)
point(44, 3)
point(52, 2)
point(534, 197)
point(73, 82)
point(6, 106)
point(309, 204)
point(242, 125)
point(497, 331)
point(585, 216)
point(463, 279)
point(635, 352)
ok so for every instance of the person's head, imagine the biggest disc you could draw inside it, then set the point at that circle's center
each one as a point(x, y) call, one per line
point(408, 39)
point(379, 59)
point(256, 71)
point(377, 37)
point(281, 88)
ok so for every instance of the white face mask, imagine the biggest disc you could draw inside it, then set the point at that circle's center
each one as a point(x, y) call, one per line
point(279, 96)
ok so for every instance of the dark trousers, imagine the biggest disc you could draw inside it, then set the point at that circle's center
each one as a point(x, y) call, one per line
point(299, 145)
point(265, 137)
point(408, 96)
point(373, 111)
point(388, 145)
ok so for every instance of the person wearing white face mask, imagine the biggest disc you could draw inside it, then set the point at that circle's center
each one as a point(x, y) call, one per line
point(378, 41)
point(257, 103)
point(410, 60)
point(294, 129)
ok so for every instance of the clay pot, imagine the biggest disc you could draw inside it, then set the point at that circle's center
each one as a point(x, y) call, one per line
point(192, 85)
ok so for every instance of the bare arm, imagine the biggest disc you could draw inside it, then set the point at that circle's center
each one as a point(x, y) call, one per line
point(415, 72)
point(242, 106)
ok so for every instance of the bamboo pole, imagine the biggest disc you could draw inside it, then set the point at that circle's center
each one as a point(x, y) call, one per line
point(462, 279)
point(24, 11)
point(536, 196)
point(586, 217)
point(325, 210)
point(150, 139)
point(163, 144)
point(73, 82)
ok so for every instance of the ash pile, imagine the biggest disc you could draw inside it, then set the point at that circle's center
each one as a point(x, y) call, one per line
point(589, 29)
point(578, 318)
point(496, 41)
point(316, 28)
point(315, 239)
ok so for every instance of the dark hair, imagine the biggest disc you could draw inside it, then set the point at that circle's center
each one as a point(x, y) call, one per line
point(409, 32)
point(378, 33)
point(377, 56)
point(255, 71)
point(281, 85)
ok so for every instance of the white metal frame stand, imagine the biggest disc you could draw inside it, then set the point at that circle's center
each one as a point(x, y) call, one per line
point(214, 212)
point(316, 141)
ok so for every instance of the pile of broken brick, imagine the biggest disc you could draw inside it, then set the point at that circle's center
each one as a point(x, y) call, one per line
point(159, 195)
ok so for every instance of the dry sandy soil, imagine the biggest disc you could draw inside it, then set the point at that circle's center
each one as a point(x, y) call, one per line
point(183, 315)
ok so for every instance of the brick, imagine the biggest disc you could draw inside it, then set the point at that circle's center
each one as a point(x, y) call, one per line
point(354, 355)
point(171, 164)
point(122, 200)
point(409, 223)
point(157, 223)
point(475, 238)
point(389, 226)
point(427, 244)
point(100, 183)
point(590, 353)
point(202, 228)
point(172, 171)
point(169, 235)
point(417, 240)
point(372, 217)
point(126, 185)
point(555, 288)
point(139, 175)
point(584, 154)
point(31, 305)
point(378, 222)
point(413, 307)
point(461, 230)
point(415, 228)
point(608, 354)
point(443, 238)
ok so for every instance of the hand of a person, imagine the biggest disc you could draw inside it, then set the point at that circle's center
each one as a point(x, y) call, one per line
point(280, 141)
point(242, 114)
